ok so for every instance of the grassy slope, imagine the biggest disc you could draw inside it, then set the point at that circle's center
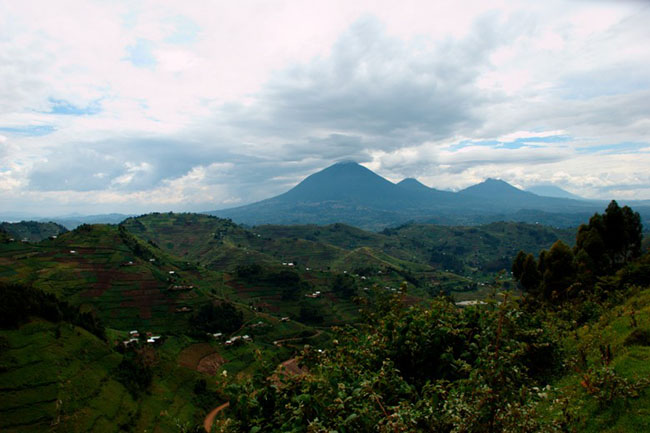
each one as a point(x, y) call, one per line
point(476, 246)
point(63, 384)
point(97, 276)
point(631, 361)
point(67, 384)
point(222, 245)
point(32, 231)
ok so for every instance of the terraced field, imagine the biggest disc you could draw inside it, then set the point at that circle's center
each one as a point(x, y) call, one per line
point(59, 378)
point(100, 271)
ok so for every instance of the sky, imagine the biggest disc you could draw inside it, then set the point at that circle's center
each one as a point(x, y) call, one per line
point(133, 107)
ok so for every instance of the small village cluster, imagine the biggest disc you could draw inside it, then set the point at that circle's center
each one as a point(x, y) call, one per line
point(135, 338)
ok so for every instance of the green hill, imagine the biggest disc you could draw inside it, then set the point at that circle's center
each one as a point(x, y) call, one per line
point(32, 231)
point(126, 281)
point(57, 377)
point(414, 247)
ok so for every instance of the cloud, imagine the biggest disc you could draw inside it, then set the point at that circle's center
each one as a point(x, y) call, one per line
point(375, 85)
point(209, 104)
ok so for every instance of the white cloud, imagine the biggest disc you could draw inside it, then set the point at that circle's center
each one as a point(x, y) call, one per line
point(530, 134)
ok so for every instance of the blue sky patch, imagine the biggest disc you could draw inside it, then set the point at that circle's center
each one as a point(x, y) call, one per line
point(141, 54)
point(61, 106)
point(627, 146)
point(185, 30)
point(549, 139)
point(30, 130)
point(466, 143)
point(515, 144)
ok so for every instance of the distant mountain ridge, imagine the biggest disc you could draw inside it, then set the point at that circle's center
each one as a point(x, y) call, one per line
point(552, 191)
point(350, 193)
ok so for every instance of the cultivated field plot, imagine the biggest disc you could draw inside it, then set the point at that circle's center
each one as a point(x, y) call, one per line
point(59, 378)
point(125, 290)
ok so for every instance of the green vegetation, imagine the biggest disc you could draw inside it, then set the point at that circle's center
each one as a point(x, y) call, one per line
point(559, 359)
point(423, 254)
point(18, 303)
point(211, 318)
point(32, 231)
point(322, 328)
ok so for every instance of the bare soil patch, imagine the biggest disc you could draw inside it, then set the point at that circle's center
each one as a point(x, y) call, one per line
point(210, 364)
point(191, 356)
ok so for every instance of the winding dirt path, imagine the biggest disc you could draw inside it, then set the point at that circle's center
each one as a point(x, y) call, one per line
point(286, 340)
point(209, 419)
point(290, 366)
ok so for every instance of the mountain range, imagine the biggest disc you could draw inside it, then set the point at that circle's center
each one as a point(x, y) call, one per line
point(350, 193)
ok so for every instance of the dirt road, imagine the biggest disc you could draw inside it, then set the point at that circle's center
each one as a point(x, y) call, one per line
point(209, 419)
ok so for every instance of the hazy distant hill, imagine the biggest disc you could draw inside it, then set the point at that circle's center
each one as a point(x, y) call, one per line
point(73, 221)
point(350, 193)
point(553, 191)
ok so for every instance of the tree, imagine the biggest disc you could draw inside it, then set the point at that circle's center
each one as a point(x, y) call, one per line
point(223, 317)
point(559, 273)
point(344, 285)
point(310, 313)
point(518, 265)
point(530, 276)
point(608, 242)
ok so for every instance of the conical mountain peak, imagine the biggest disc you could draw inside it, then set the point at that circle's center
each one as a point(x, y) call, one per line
point(343, 180)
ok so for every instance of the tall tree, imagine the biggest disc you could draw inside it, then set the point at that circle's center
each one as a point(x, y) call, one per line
point(530, 276)
point(518, 265)
point(559, 273)
point(608, 242)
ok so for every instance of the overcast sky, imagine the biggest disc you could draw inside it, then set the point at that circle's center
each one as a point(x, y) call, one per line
point(198, 105)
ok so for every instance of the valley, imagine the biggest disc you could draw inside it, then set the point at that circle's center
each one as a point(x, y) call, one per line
point(193, 307)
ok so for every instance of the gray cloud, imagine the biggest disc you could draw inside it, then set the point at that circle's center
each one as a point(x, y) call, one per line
point(376, 86)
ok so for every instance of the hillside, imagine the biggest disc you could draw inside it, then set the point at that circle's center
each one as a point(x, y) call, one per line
point(221, 245)
point(57, 377)
point(32, 231)
point(488, 247)
point(571, 354)
point(284, 295)
point(124, 280)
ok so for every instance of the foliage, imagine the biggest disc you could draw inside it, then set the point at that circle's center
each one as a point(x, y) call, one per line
point(310, 313)
point(606, 386)
point(421, 369)
point(135, 371)
point(344, 285)
point(609, 241)
point(19, 302)
point(221, 317)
